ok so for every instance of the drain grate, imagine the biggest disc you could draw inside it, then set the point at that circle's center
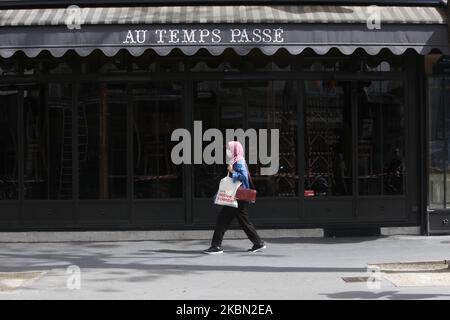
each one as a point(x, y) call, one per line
point(10, 281)
point(355, 279)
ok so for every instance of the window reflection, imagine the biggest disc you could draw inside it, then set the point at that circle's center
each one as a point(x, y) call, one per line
point(381, 138)
point(9, 67)
point(218, 105)
point(9, 144)
point(97, 62)
point(48, 142)
point(102, 145)
point(439, 145)
point(254, 61)
point(157, 113)
point(273, 105)
point(328, 140)
point(245, 105)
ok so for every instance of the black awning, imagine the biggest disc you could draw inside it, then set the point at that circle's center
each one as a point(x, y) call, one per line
point(162, 29)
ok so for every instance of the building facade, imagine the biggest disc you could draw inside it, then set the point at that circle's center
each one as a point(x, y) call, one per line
point(90, 97)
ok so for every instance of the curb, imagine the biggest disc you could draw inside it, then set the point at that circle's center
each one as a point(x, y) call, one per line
point(116, 236)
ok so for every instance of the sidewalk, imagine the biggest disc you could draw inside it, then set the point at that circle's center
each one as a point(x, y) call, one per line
point(290, 268)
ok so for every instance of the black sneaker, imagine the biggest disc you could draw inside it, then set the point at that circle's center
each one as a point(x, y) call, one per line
point(213, 250)
point(257, 247)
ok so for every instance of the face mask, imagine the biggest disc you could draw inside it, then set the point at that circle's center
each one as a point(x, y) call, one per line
point(229, 154)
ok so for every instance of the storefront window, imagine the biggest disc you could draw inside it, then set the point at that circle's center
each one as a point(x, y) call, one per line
point(371, 66)
point(218, 64)
point(157, 65)
point(217, 105)
point(45, 63)
point(436, 173)
point(335, 62)
point(273, 105)
point(249, 105)
point(152, 62)
point(385, 62)
point(315, 65)
point(9, 143)
point(157, 111)
point(97, 62)
point(9, 67)
point(102, 141)
point(381, 138)
point(210, 66)
point(33, 67)
point(282, 60)
point(328, 140)
point(59, 67)
point(48, 142)
point(439, 143)
point(230, 61)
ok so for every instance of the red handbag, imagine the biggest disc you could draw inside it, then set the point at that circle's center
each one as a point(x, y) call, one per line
point(244, 194)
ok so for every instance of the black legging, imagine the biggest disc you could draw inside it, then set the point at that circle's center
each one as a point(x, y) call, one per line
point(226, 216)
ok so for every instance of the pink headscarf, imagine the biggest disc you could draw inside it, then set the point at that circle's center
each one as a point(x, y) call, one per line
point(236, 150)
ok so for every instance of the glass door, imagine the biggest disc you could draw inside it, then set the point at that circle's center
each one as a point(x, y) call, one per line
point(355, 150)
point(217, 105)
point(102, 154)
point(9, 156)
point(439, 142)
point(328, 150)
point(382, 152)
point(157, 182)
point(257, 108)
point(328, 139)
point(9, 152)
point(381, 138)
point(47, 155)
point(47, 123)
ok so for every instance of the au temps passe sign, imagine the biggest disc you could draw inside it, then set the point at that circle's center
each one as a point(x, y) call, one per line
point(202, 36)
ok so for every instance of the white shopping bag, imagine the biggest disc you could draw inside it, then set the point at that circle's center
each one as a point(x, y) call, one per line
point(227, 192)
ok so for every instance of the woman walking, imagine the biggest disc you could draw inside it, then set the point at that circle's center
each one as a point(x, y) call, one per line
point(237, 170)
